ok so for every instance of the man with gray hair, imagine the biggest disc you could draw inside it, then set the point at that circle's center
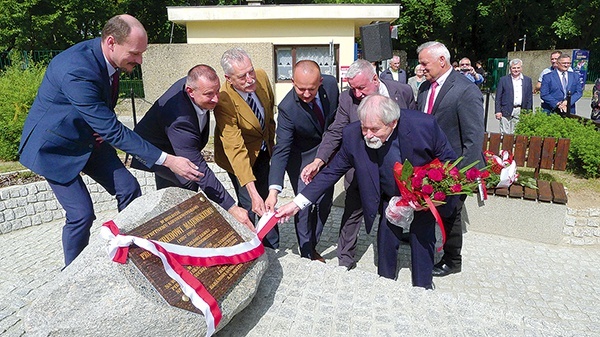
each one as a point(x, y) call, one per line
point(394, 72)
point(245, 133)
point(363, 81)
point(514, 92)
point(457, 105)
point(383, 136)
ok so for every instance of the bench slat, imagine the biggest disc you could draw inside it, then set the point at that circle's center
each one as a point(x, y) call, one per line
point(515, 191)
point(530, 193)
point(534, 152)
point(562, 154)
point(508, 142)
point(520, 150)
point(503, 191)
point(494, 142)
point(544, 191)
point(547, 156)
point(558, 190)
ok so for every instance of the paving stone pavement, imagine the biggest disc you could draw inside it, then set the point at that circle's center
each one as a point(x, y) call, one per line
point(508, 287)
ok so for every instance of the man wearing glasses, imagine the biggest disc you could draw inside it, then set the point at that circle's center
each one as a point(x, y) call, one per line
point(560, 86)
point(245, 133)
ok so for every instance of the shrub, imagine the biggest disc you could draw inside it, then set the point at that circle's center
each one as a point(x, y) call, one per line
point(18, 87)
point(584, 152)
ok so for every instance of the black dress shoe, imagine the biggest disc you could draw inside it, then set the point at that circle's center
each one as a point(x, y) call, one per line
point(443, 269)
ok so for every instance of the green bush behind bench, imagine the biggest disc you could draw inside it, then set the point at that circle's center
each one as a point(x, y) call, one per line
point(18, 88)
point(584, 153)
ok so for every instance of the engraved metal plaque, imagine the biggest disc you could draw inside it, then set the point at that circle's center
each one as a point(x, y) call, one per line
point(193, 223)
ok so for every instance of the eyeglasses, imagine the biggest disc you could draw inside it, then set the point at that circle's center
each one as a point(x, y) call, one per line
point(465, 64)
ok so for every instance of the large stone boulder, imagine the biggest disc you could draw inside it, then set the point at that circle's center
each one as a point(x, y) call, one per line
point(95, 296)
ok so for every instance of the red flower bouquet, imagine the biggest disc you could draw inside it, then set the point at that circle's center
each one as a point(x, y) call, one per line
point(424, 187)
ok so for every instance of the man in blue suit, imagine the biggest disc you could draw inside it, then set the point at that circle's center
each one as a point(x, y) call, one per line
point(394, 72)
point(72, 128)
point(557, 85)
point(178, 124)
point(304, 115)
point(385, 135)
point(514, 92)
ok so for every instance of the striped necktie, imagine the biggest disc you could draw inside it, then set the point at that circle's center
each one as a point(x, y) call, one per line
point(256, 111)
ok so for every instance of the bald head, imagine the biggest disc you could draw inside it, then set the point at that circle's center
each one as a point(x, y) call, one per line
point(307, 79)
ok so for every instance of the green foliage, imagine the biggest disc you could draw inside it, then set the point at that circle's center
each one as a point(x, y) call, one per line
point(18, 88)
point(584, 152)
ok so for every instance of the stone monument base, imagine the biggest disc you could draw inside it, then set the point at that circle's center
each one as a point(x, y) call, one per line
point(95, 296)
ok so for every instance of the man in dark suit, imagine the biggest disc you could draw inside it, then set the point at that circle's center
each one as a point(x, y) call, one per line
point(72, 128)
point(363, 82)
point(178, 124)
point(457, 105)
point(385, 135)
point(245, 133)
point(514, 92)
point(394, 72)
point(557, 85)
point(303, 115)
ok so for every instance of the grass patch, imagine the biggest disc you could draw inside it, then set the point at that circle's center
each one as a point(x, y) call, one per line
point(11, 166)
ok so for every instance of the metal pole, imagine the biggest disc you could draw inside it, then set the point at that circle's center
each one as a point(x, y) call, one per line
point(487, 100)
point(132, 94)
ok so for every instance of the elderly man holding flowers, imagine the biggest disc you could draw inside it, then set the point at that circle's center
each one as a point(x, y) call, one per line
point(383, 137)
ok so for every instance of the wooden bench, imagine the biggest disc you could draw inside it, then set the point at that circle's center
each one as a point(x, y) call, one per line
point(534, 152)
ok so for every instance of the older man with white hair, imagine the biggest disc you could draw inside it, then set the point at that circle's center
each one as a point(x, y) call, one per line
point(514, 92)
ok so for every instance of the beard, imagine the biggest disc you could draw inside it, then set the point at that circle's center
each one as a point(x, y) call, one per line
point(373, 143)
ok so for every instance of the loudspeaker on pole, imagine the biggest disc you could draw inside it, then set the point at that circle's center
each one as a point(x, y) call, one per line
point(376, 41)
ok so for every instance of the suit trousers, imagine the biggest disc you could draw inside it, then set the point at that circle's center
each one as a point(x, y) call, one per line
point(105, 167)
point(261, 173)
point(454, 235)
point(422, 248)
point(164, 178)
point(350, 225)
point(310, 221)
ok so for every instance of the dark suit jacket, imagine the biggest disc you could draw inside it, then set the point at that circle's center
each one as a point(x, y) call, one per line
point(421, 140)
point(346, 114)
point(73, 102)
point(299, 132)
point(238, 135)
point(458, 109)
point(552, 92)
point(387, 75)
point(172, 125)
point(505, 95)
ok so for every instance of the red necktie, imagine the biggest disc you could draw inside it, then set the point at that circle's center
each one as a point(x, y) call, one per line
point(114, 88)
point(318, 113)
point(431, 97)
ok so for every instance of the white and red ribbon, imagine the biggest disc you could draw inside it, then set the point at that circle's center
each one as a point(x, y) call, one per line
point(174, 257)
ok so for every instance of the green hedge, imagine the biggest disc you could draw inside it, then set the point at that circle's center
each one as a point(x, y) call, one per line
point(18, 87)
point(584, 153)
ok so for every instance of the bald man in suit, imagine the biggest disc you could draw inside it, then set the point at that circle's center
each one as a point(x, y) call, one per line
point(304, 115)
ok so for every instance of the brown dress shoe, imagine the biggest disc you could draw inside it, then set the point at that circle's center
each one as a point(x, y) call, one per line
point(317, 257)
